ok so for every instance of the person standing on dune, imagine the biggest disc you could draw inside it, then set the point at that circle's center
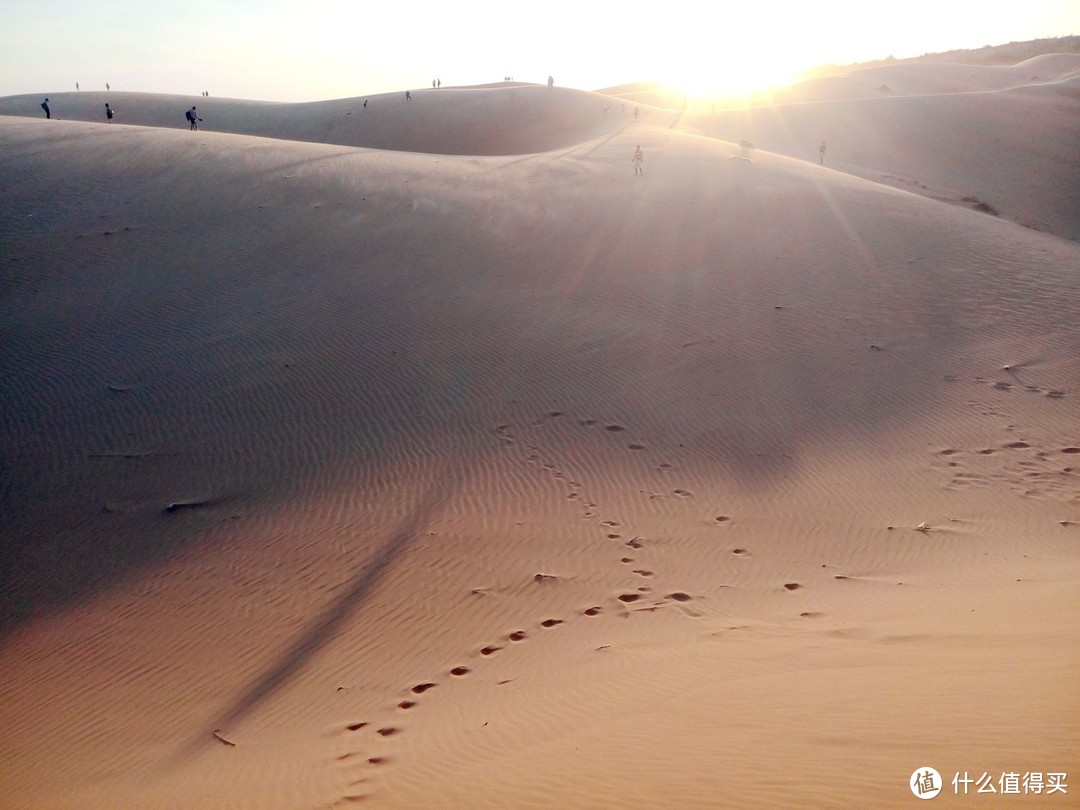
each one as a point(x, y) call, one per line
point(638, 161)
point(108, 112)
point(45, 107)
point(193, 118)
point(821, 154)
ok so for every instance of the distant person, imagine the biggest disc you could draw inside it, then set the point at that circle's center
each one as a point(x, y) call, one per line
point(365, 102)
point(408, 95)
point(551, 81)
point(45, 107)
point(821, 154)
point(193, 118)
point(108, 112)
point(107, 88)
point(638, 161)
point(77, 86)
point(636, 111)
point(440, 83)
point(433, 84)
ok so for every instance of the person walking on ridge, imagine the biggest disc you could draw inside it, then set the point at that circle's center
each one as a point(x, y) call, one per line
point(638, 161)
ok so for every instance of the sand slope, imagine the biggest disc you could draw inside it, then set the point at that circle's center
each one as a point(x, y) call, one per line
point(1004, 138)
point(522, 481)
point(483, 120)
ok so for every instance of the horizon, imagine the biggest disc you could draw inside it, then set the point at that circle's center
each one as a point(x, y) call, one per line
point(279, 52)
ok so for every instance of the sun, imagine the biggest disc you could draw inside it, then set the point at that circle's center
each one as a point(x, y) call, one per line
point(729, 78)
point(726, 56)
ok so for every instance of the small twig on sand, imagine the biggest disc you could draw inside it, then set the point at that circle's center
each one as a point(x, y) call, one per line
point(219, 738)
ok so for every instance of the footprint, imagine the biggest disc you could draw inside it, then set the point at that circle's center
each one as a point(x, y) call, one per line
point(377, 760)
point(792, 586)
point(722, 518)
point(629, 597)
point(1070, 449)
point(1017, 445)
point(740, 552)
point(682, 493)
point(611, 524)
point(420, 688)
point(587, 422)
point(388, 731)
point(595, 610)
point(634, 544)
point(459, 671)
point(490, 649)
point(665, 466)
point(517, 635)
point(550, 622)
point(641, 572)
point(679, 596)
point(812, 614)
point(614, 428)
point(636, 446)
point(614, 537)
point(627, 560)
point(355, 726)
point(406, 704)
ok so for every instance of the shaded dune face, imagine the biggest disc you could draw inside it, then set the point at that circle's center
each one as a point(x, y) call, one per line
point(239, 316)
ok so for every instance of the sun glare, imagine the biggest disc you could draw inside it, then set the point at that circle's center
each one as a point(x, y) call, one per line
point(728, 57)
point(732, 80)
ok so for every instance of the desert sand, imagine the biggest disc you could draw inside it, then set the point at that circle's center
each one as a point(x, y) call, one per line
point(421, 455)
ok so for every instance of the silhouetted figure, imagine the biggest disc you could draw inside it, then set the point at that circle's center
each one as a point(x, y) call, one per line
point(193, 118)
point(638, 161)
point(551, 81)
point(821, 154)
point(365, 102)
point(408, 95)
point(108, 112)
point(440, 83)
point(433, 84)
point(77, 86)
point(107, 88)
point(45, 107)
point(636, 113)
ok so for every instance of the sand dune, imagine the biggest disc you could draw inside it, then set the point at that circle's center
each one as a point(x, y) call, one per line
point(495, 120)
point(996, 141)
point(509, 479)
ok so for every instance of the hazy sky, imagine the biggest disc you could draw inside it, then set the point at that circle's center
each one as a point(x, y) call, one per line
point(300, 50)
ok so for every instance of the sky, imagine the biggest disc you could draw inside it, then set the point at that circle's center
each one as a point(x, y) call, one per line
point(308, 50)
